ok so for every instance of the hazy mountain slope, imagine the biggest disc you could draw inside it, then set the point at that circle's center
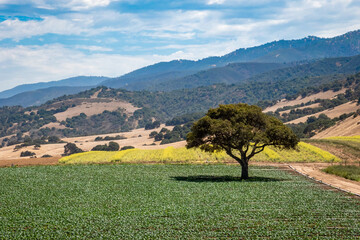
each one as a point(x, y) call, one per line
point(237, 73)
point(159, 72)
point(328, 66)
point(74, 82)
point(231, 73)
point(297, 76)
point(39, 96)
point(276, 52)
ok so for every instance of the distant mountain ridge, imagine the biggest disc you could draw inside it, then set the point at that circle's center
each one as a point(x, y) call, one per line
point(40, 96)
point(71, 82)
point(238, 73)
point(308, 48)
point(309, 74)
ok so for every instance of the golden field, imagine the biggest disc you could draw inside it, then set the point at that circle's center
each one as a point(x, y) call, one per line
point(304, 153)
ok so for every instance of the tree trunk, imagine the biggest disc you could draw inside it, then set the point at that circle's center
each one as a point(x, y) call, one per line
point(244, 169)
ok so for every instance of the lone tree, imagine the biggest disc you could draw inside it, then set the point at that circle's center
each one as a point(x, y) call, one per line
point(241, 131)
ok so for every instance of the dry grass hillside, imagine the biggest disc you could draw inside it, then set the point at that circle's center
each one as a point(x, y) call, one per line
point(95, 106)
point(321, 95)
point(348, 127)
point(331, 113)
point(315, 105)
point(139, 138)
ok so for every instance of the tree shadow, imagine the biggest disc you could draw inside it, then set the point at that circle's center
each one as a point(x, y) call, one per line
point(211, 178)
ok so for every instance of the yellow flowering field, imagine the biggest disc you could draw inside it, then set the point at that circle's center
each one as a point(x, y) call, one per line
point(345, 138)
point(304, 153)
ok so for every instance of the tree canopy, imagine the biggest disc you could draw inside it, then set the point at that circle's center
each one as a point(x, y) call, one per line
point(240, 130)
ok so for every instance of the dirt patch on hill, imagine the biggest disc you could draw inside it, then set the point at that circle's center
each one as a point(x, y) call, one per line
point(29, 162)
point(53, 125)
point(300, 100)
point(93, 108)
point(331, 113)
point(348, 127)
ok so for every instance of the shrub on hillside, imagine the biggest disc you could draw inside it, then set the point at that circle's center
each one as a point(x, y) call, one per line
point(27, 154)
point(113, 146)
point(152, 125)
point(127, 147)
point(71, 148)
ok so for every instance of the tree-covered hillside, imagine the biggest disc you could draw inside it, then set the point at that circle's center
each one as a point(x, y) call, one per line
point(160, 106)
point(238, 73)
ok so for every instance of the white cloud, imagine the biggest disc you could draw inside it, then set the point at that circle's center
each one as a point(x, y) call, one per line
point(86, 4)
point(323, 18)
point(94, 48)
point(76, 5)
point(17, 30)
point(212, 2)
point(29, 64)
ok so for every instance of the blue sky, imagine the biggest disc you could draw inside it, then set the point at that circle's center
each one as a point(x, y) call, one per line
point(46, 40)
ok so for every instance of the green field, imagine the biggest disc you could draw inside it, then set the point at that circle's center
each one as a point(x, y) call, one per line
point(350, 172)
point(170, 202)
point(304, 153)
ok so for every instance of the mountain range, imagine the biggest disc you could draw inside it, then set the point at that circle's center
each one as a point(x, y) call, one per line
point(276, 60)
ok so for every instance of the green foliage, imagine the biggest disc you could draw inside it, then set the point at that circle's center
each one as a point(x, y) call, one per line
point(348, 172)
point(158, 137)
point(27, 154)
point(241, 131)
point(71, 148)
point(113, 146)
point(54, 139)
point(109, 138)
point(170, 202)
point(28, 141)
point(126, 148)
point(106, 122)
point(152, 125)
point(178, 133)
point(153, 134)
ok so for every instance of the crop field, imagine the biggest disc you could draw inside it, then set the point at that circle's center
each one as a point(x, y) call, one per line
point(350, 172)
point(125, 201)
point(305, 153)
